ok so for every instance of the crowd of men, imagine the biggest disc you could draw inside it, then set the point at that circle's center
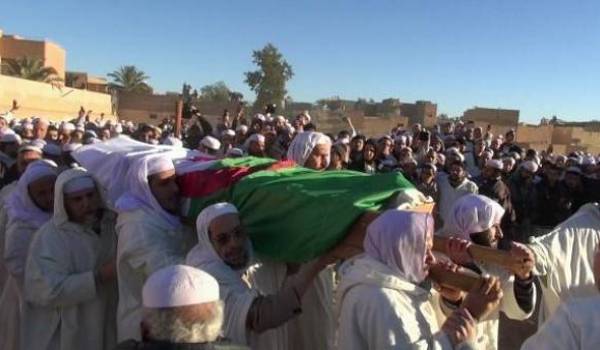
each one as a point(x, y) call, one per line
point(76, 274)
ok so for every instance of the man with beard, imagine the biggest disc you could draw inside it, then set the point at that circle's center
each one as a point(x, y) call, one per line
point(477, 219)
point(255, 145)
point(259, 297)
point(492, 186)
point(70, 276)
point(151, 235)
point(452, 187)
point(521, 191)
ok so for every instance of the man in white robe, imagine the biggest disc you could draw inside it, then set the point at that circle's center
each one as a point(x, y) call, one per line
point(70, 277)
point(151, 235)
point(564, 259)
point(29, 206)
point(26, 155)
point(260, 297)
point(382, 300)
point(476, 218)
point(574, 324)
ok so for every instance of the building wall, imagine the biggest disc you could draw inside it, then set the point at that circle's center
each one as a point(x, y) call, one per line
point(53, 55)
point(499, 117)
point(43, 100)
point(422, 112)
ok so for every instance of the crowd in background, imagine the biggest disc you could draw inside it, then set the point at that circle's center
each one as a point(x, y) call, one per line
point(487, 188)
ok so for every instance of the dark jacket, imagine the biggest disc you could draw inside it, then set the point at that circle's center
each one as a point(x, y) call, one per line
point(551, 205)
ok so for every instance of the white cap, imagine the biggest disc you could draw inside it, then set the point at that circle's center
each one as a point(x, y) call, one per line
point(260, 117)
point(179, 285)
point(10, 136)
point(32, 148)
point(79, 183)
point(530, 166)
point(235, 152)
point(242, 128)
point(211, 143)
point(494, 164)
point(68, 127)
point(228, 132)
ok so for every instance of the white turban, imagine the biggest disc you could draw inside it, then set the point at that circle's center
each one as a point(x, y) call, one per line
point(179, 285)
point(530, 166)
point(303, 144)
point(211, 143)
point(473, 213)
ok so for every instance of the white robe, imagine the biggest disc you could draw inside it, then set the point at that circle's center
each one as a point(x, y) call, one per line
point(313, 329)
point(449, 194)
point(18, 238)
point(145, 244)
point(487, 329)
point(6, 190)
point(573, 326)
point(378, 310)
point(64, 308)
point(564, 259)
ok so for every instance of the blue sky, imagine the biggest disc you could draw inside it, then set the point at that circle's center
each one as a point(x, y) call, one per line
point(542, 57)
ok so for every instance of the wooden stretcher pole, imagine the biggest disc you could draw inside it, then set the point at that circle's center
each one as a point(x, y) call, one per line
point(178, 118)
point(481, 253)
point(463, 280)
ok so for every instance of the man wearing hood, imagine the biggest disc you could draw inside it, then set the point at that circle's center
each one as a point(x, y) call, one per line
point(260, 298)
point(382, 301)
point(151, 235)
point(310, 149)
point(26, 155)
point(70, 277)
point(28, 208)
point(477, 219)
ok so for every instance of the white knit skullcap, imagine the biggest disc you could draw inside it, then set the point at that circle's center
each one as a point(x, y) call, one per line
point(228, 132)
point(179, 285)
point(494, 164)
point(79, 183)
point(530, 166)
point(160, 165)
point(211, 143)
point(242, 128)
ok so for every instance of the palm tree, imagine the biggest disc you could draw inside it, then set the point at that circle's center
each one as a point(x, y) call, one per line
point(130, 79)
point(32, 68)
